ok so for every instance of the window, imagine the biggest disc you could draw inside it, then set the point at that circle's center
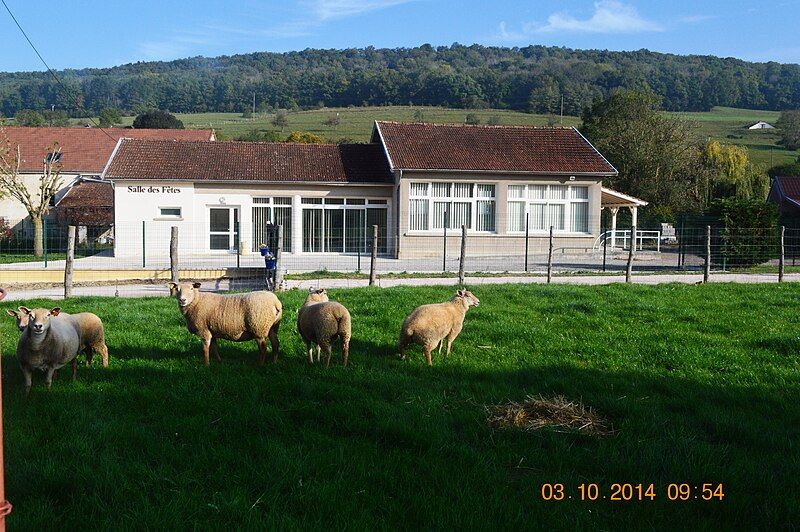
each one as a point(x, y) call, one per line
point(432, 206)
point(268, 212)
point(564, 207)
point(336, 225)
point(169, 212)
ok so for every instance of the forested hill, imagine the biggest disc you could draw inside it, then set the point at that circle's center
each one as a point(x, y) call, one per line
point(531, 78)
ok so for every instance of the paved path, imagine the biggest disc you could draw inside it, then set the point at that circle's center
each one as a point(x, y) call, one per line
point(153, 290)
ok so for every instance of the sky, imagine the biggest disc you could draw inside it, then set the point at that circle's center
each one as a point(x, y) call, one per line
point(93, 33)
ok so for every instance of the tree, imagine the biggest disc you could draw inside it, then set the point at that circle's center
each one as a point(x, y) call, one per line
point(494, 120)
point(656, 156)
point(305, 138)
point(56, 118)
point(733, 174)
point(419, 115)
point(333, 121)
point(789, 124)
point(36, 203)
point(110, 116)
point(30, 118)
point(281, 119)
point(156, 119)
point(472, 119)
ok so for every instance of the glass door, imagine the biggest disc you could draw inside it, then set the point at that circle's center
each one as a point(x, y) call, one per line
point(223, 228)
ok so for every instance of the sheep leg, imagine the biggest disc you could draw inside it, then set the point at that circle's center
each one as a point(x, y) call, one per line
point(309, 352)
point(327, 349)
point(401, 347)
point(318, 352)
point(26, 373)
point(48, 377)
point(89, 354)
point(428, 350)
point(440, 346)
point(273, 339)
point(215, 349)
point(345, 351)
point(450, 339)
point(262, 350)
point(103, 350)
point(74, 368)
point(206, 346)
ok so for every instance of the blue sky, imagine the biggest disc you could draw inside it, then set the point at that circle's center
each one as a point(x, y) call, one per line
point(82, 33)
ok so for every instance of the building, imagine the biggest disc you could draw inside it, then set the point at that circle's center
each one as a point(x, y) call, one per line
point(785, 193)
point(760, 125)
point(414, 181)
point(84, 152)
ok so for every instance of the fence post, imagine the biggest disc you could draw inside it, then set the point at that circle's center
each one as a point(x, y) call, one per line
point(278, 280)
point(782, 255)
point(527, 227)
point(44, 241)
point(5, 506)
point(463, 255)
point(173, 254)
point(69, 262)
point(143, 246)
point(550, 258)
point(707, 268)
point(238, 243)
point(444, 251)
point(605, 250)
point(374, 255)
point(680, 248)
point(629, 266)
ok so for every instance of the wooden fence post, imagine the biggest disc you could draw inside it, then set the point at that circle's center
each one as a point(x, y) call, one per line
point(374, 256)
point(781, 259)
point(550, 258)
point(68, 264)
point(527, 226)
point(173, 254)
point(707, 267)
point(444, 242)
point(463, 255)
point(278, 280)
point(629, 266)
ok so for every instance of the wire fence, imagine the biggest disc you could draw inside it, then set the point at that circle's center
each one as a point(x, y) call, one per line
point(138, 258)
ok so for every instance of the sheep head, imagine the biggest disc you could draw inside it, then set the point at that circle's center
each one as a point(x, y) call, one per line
point(20, 316)
point(466, 298)
point(185, 293)
point(39, 318)
point(319, 295)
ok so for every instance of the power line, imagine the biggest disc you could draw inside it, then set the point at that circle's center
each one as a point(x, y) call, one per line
point(52, 72)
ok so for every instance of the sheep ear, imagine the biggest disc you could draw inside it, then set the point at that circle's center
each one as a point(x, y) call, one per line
point(196, 285)
point(312, 290)
point(11, 312)
point(172, 286)
point(55, 311)
point(24, 310)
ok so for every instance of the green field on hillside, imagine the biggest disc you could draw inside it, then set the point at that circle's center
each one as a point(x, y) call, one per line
point(722, 123)
point(701, 384)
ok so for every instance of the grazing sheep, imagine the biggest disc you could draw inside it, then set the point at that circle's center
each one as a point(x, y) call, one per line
point(238, 317)
point(47, 344)
point(90, 325)
point(320, 321)
point(429, 325)
point(2, 293)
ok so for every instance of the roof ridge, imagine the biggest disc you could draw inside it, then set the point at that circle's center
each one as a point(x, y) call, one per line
point(483, 126)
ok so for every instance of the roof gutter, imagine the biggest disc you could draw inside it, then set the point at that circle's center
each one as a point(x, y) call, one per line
point(513, 172)
point(111, 158)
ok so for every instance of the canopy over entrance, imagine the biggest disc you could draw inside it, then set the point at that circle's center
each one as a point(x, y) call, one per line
point(613, 200)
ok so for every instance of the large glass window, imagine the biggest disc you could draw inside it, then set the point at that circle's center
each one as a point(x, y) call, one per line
point(564, 207)
point(272, 211)
point(336, 225)
point(223, 228)
point(432, 206)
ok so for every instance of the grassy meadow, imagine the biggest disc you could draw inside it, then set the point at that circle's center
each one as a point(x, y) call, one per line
point(701, 383)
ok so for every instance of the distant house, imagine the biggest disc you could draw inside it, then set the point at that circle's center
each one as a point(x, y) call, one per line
point(785, 193)
point(84, 153)
point(761, 125)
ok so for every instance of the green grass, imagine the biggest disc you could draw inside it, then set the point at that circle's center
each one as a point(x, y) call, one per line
point(702, 383)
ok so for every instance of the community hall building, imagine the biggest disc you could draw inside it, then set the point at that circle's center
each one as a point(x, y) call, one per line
point(413, 181)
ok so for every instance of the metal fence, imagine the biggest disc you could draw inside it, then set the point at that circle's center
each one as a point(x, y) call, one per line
point(138, 258)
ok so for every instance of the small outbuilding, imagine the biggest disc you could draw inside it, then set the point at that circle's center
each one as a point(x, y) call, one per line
point(785, 193)
point(760, 125)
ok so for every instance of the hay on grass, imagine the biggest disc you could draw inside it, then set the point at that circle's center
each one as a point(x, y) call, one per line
point(536, 413)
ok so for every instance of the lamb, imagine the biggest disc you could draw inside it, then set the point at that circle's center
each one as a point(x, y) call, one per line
point(237, 317)
point(320, 321)
point(90, 326)
point(429, 325)
point(47, 344)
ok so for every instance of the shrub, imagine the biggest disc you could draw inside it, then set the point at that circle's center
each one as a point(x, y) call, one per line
point(748, 236)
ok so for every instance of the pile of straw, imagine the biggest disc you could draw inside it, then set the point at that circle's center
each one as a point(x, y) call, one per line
point(536, 413)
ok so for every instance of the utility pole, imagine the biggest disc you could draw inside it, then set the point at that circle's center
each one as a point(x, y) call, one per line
point(254, 104)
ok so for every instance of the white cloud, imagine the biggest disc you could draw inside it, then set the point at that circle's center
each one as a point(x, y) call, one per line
point(693, 19)
point(610, 16)
point(179, 45)
point(335, 9)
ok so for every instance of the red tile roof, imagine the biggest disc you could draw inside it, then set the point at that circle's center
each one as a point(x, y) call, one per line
point(83, 149)
point(87, 202)
point(790, 187)
point(462, 147)
point(249, 161)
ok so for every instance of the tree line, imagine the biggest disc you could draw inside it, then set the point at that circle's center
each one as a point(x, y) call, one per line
point(532, 78)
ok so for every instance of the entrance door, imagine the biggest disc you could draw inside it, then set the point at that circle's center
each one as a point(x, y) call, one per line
point(223, 228)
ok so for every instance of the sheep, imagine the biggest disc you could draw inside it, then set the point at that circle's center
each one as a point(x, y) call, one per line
point(320, 321)
point(237, 317)
point(90, 326)
point(2, 293)
point(429, 325)
point(47, 344)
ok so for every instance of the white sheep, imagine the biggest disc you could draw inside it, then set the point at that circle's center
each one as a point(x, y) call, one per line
point(47, 344)
point(320, 321)
point(237, 317)
point(90, 325)
point(430, 325)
